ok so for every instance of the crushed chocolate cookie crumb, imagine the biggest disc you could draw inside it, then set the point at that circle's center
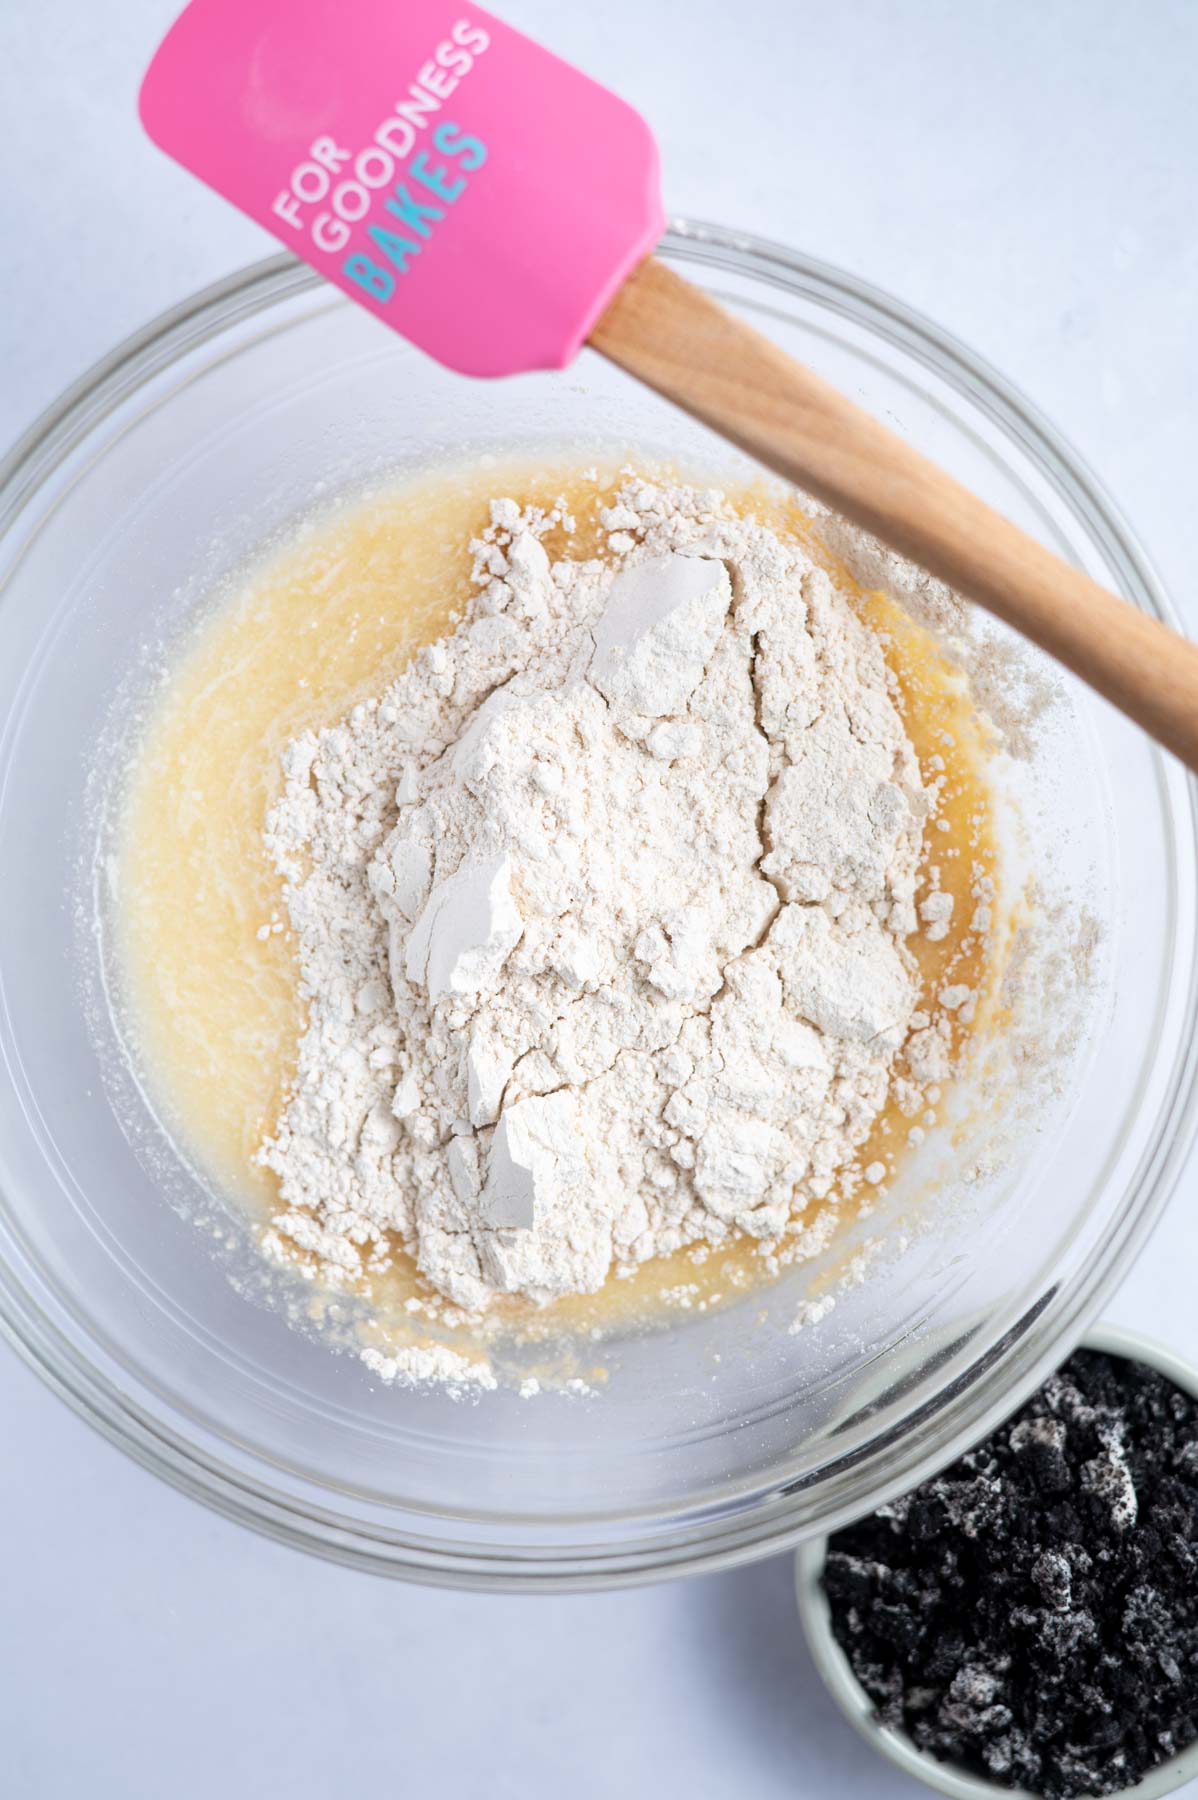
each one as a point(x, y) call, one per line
point(1032, 1614)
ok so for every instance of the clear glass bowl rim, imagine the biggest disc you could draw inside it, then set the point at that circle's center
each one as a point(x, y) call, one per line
point(999, 1377)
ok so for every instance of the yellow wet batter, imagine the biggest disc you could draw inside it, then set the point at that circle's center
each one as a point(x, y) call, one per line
point(209, 964)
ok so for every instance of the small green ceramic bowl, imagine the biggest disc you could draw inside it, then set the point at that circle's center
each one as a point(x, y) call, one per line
point(856, 1704)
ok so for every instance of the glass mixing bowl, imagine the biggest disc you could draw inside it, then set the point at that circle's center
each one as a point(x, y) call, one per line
point(136, 1292)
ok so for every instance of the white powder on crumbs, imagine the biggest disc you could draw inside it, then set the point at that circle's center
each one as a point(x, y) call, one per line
point(602, 913)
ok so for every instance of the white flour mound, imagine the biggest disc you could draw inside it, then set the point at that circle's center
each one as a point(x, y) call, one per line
point(601, 912)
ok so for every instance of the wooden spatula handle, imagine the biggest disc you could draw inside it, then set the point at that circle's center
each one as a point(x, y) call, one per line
point(678, 341)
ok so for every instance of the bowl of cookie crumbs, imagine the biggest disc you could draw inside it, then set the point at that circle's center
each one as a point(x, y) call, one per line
point(1026, 1622)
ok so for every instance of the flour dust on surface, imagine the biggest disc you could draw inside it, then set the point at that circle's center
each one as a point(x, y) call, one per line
point(784, 1022)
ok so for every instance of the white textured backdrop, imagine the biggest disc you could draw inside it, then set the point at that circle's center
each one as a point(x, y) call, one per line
point(1024, 172)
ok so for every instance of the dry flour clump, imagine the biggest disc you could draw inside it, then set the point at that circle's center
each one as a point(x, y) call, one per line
point(601, 912)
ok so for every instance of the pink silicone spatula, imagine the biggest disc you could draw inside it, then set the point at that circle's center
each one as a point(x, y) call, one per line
point(498, 208)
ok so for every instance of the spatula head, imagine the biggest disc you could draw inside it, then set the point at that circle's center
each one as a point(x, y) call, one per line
point(476, 193)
